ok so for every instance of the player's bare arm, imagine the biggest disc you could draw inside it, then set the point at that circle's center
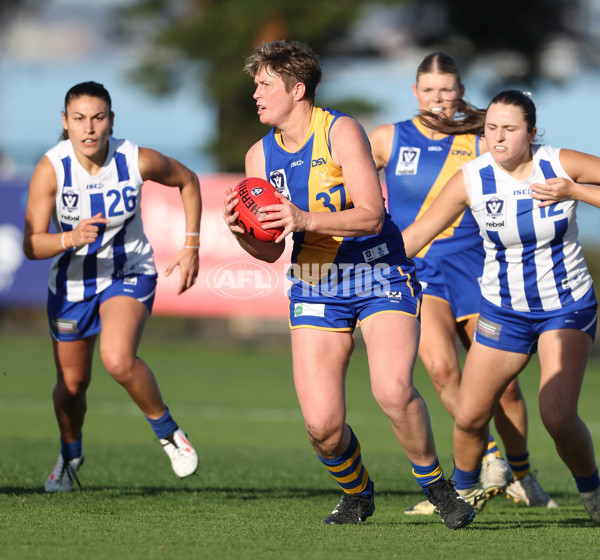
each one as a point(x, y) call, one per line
point(171, 173)
point(584, 169)
point(38, 243)
point(447, 206)
point(382, 140)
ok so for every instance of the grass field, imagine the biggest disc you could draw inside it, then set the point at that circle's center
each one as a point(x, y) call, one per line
point(259, 492)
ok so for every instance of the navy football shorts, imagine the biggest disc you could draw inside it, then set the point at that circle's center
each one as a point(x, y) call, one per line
point(71, 320)
point(455, 279)
point(518, 331)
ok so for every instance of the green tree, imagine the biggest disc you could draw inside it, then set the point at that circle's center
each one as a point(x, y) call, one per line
point(211, 38)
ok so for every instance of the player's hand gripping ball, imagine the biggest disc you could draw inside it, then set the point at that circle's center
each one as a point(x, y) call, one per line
point(254, 193)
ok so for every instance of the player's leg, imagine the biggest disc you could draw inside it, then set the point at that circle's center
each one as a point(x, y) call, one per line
point(123, 320)
point(437, 350)
point(392, 339)
point(320, 362)
point(73, 361)
point(73, 326)
point(486, 374)
point(563, 357)
point(510, 420)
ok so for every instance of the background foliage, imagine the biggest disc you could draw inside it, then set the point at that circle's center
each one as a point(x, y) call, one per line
point(208, 40)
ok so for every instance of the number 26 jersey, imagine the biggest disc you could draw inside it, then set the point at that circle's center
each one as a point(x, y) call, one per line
point(121, 247)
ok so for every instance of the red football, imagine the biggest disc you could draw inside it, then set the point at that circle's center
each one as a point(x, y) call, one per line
point(254, 193)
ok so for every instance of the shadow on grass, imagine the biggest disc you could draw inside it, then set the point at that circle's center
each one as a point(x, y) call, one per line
point(228, 492)
point(538, 518)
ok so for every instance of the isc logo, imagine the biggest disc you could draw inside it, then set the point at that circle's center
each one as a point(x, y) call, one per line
point(318, 161)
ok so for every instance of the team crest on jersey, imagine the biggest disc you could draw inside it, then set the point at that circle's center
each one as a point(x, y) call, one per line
point(495, 212)
point(278, 179)
point(408, 161)
point(70, 199)
point(70, 211)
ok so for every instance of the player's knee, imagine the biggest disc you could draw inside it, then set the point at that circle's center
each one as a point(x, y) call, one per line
point(470, 425)
point(395, 400)
point(119, 366)
point(512, 394)
point(443, 374)
point(325, 437)
point(558, 420)
point(70, 389)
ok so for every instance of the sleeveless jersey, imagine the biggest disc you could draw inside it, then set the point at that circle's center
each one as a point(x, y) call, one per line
point(121, 247)
point(533, 259)
point(313, 182)
point(417, 170)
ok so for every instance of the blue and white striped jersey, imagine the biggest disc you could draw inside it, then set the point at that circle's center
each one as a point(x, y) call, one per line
point(121, 247)
point(533, 258)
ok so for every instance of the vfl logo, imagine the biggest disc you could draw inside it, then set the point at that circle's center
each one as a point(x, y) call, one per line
point(278, 179)
point(257, 191)
point(495, 209)
point(318, 161)
point(70, 200)
point(408, 161)
point(408, 155)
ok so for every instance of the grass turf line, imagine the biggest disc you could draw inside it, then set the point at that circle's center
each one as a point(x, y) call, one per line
point(259, 492)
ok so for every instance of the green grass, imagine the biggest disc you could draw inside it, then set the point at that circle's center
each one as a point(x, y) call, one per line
point(259, 492)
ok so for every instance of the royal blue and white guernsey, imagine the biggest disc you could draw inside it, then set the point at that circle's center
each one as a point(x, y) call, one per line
point(417, 170)
point(121, 248)
point(313, 182)
point(533, 257)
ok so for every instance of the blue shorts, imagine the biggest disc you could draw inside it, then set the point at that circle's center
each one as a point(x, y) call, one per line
point(518, 331)
point(455, 279)
point(80, 319)
point(360, 294)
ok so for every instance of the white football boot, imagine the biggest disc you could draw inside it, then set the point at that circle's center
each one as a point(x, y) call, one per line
point(495, 475)
point(591, 501)
point(64, 474)
point(184, 458)
point(529, 491)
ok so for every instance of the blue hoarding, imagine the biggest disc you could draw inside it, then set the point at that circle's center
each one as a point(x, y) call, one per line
point(22, 282)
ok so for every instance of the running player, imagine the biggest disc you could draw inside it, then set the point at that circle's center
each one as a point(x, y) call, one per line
point(537, 293)
point(103, 278)
point(417, 162)
point(348, 265)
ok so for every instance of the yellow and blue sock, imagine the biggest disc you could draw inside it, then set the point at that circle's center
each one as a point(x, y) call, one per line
point(519, 464)
point(492, 448)
point(429, 474)
point(587, 483)
point(164, 426)
point(348, 470)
